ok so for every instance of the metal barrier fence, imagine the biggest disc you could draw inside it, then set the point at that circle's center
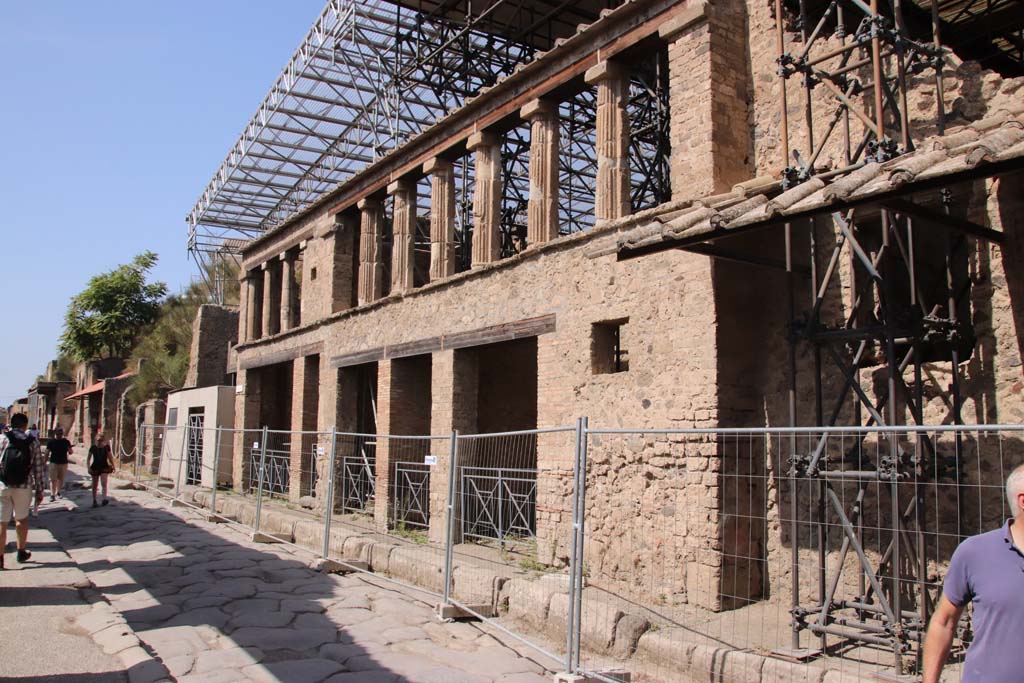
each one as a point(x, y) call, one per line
point(674, 555)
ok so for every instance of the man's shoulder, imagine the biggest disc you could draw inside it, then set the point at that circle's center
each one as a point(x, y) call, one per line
point(981, 543)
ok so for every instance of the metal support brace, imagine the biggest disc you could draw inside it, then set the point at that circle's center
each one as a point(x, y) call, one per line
point(329, 507)
point(181, 461)
point(453, 458)
point(259, 489)
point(216, 470)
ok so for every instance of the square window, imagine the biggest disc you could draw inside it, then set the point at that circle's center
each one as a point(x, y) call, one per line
point(608, 353)
point(312, 273)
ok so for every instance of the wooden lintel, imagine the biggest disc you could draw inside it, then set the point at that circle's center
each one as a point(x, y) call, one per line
point(282, 356)
point(945, 220)
point(492, 334)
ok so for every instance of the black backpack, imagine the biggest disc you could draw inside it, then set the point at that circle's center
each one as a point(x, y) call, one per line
point(16, 461)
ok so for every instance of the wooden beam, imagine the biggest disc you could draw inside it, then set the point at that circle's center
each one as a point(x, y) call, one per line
point(945, 220)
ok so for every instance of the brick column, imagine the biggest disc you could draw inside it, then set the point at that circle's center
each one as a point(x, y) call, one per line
point(287, 289)
point(442, 217)
point(454, 385)
point(486, 197)
point(371, 268)
point(268, 290)
point(385, 447)
point(305, 408)
point(611, 199)
point(542, 212)
point(404, 234)
point(247, 417)
point(709, 131)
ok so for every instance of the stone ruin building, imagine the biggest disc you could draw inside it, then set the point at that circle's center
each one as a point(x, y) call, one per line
point(658, 214)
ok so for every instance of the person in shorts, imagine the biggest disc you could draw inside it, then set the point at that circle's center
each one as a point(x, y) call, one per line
point(16, 498)
point(58, 448)
point(101, 464)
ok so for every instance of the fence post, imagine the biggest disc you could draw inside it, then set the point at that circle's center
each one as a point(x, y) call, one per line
point(216, 470)
point(581, 536)
point(259, 484)
point(329, 507)
point(181, 461)
point(570, 621)
point(449, 543)
point(138, 453)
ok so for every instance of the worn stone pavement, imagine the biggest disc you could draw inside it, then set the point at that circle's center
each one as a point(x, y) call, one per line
point(217, 608)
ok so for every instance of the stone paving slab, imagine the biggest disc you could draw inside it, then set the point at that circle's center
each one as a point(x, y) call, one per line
point(216, 607)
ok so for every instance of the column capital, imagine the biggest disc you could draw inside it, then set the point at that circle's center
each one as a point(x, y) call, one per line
point(369, 204)
point(437, 165)
point(483, 138)
point(537, 108)
point(604, 71)
point(401, 185)
point(265, 266)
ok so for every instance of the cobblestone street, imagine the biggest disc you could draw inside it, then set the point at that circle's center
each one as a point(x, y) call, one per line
point(217, 608)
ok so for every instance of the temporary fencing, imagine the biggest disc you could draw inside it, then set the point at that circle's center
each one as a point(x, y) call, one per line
point(669, 554)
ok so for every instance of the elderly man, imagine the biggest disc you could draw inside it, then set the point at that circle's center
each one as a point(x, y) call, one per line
point(987, 570)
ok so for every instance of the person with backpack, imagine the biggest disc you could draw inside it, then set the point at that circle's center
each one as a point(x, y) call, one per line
point(22, 471)
point(101, 464)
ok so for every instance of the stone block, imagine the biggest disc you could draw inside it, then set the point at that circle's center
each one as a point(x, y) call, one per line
point(779, 671)
point(419, 566)
point(278, 523)
point(668, 647)
point(597, 622)
point(380, 556)
point(476, 584)
point(627, 632)
point(527, 599)
point(309, 534)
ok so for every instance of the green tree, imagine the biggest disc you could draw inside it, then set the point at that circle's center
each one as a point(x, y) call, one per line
point(107, 317)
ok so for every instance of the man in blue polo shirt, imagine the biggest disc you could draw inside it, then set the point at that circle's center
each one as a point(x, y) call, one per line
point(987, 570)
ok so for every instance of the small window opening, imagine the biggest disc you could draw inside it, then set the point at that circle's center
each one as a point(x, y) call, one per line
point(608, 352)
point(312, 273)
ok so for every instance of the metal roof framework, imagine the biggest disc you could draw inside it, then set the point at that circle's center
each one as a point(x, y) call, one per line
point(369, 75)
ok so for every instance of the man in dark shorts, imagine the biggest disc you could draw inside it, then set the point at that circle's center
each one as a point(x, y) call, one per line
point(58, 449)
point(987, 570)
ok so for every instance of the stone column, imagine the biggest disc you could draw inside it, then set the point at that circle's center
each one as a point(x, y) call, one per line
point(371, 268)
point(486, 197)
point(268, 289)
point(611, 199)
point(542, 212)
point(287, 289)
point(442, 217)
point(342, 245)
point(249, 319)
point(404, 235)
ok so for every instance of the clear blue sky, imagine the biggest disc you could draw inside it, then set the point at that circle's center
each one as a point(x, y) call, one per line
point(114, 117)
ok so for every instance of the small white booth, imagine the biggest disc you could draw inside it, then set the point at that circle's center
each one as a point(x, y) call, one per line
point(190, 447)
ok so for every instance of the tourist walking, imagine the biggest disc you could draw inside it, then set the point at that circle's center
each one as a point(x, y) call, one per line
point(101, 464)
point(987, 570)
point(22, 472)
point(58, 449)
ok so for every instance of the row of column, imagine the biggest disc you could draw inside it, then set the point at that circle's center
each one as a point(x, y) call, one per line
point(611, 194)
point(271, 296)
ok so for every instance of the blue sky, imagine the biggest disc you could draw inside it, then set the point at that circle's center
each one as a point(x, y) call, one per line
point(114, 117)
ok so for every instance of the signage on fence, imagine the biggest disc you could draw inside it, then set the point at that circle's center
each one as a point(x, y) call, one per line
point(239, 388)
point(255, 444)
point(319, 450)
point(429, 459)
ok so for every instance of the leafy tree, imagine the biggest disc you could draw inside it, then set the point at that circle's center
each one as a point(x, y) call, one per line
point(106, 318)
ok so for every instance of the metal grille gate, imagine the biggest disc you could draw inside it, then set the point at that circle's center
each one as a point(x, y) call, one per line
point(194, 462)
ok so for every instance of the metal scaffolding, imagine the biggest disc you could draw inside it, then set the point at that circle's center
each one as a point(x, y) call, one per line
point(368, 76)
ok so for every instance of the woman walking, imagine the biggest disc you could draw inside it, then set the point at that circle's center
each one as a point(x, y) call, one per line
point(101, 464)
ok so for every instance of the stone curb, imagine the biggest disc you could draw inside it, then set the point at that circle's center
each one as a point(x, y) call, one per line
point(542, 602)
point(109, 629)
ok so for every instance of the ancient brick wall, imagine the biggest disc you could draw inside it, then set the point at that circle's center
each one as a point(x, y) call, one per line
point(214, 332)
